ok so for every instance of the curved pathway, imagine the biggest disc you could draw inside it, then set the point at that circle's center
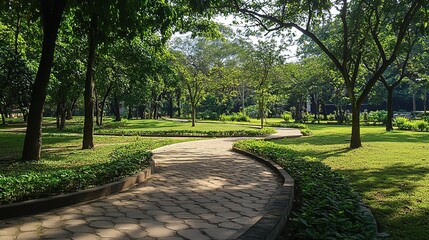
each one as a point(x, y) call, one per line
point(201, 190)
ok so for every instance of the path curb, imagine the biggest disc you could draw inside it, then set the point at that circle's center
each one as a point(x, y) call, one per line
point(275, 219)
point(49, 203)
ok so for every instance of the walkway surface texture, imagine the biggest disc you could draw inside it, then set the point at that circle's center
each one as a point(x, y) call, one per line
point(201, 190)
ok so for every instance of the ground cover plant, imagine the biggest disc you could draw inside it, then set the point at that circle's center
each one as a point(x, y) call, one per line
point(390, 172)
point(65, 168)
point(325, 205)
point(150, 127)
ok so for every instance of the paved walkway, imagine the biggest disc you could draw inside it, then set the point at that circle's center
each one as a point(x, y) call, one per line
point(201, 190)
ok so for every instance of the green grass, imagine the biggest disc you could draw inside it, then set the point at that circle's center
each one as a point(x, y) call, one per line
point(390, 171)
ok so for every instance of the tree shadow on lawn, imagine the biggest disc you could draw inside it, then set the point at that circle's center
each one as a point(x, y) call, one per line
point(393, 200)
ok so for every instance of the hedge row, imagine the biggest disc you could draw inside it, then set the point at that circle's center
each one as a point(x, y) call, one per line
point(123, 162)
point(325, 207)
point(196, 133)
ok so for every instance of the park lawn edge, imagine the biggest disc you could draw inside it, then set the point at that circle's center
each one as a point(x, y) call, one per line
point(326, 207)
point(124, 161)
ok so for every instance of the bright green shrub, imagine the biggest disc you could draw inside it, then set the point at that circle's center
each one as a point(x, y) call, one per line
point(325, 207)
point(421, 126)
point(400, 121)
point(409, 125)
point(287, 117)
point(235, 117)
point(191, 132)
point(124, 161)
point(377, 116)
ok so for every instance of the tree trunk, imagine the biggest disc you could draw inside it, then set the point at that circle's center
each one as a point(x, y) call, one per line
point(70, 110)
point(355, 141)
point(51, 12)
point(117, 110)
point(414, 104)
point(171, 107)
point(130, 112)
point(389, 119)
point(58, 115)
point(3, 116)
point(179, 107)
point(88, 127)
point(141, 110)
point(424, 101)
point(243, 106)
point(103, 103)
point(261, 111)
point(193, 106)
point(101, 114)
point(97, 109)
point(62, 117)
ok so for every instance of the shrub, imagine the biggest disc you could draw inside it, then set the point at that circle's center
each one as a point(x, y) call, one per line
point(377, 116)
point(235, 117)
point(287, 117)
point(421, 126)
point(197, 133)
point(123, 162)
point(426, 118)
point(326, 207)
point(409, 125)
point(400, 121)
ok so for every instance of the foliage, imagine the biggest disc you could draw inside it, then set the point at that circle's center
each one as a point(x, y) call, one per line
point(287, 117)
point(416, 125)
point(326, 206)
point(235, 117)
point(377, 116)
point(190, 132)
point(400, 121)
point(123, 162)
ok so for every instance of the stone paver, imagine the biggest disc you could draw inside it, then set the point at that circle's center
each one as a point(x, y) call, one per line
point(201, 190)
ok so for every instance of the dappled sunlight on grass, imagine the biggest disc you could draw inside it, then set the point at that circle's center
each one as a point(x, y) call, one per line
point(390, 171)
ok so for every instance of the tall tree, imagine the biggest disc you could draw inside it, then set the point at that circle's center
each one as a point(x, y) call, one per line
point(342, 30)
point(51, 13)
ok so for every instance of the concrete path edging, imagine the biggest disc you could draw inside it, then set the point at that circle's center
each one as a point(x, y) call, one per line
point(49, 203)
point(275, 219)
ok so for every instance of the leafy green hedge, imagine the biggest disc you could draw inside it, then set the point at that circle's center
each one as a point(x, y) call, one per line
point(234, 117)
point(326, 207)
point(216, 133)
point(302, 127)
point(124, 161)
point(416, 125)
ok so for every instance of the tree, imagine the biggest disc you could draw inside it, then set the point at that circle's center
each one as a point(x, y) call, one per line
point(51, 13)
point(261, 63)
point(109, 20)
point(343, 36)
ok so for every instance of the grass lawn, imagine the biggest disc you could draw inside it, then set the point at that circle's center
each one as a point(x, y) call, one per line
point(62, 151)
point(390, 171)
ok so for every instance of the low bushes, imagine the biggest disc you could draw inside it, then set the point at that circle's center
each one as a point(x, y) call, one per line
point(287, 117)
point(123, 162)
point(416, 125)
point(302, 127)
point(196, 133)
point(326, 207)
point(234, 117)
